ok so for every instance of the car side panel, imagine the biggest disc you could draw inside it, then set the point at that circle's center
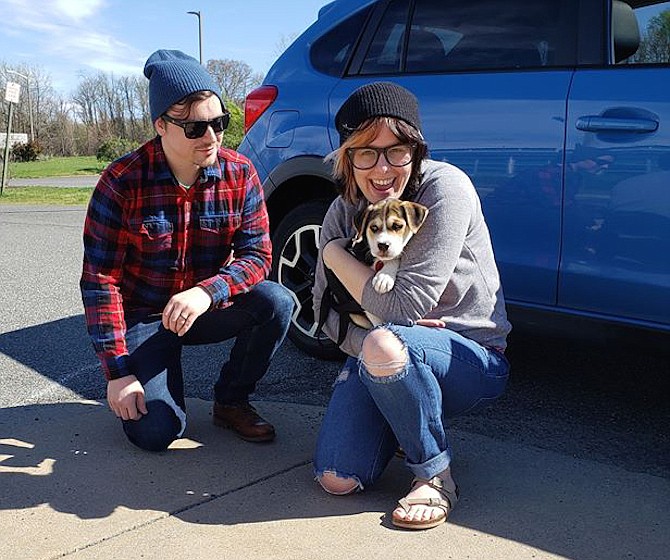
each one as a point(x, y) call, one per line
point(616, 241)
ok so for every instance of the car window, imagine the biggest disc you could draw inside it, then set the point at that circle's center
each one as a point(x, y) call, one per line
point(385, 50)
point(475, 35)
point(330, 52)
point(654, 30)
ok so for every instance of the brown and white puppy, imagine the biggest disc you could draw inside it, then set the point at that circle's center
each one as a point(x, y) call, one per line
point(386, 227)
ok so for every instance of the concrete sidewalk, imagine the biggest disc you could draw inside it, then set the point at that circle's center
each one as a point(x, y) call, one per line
point(71, 486)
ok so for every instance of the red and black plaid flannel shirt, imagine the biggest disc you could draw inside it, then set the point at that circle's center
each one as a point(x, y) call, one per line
point(146, 238)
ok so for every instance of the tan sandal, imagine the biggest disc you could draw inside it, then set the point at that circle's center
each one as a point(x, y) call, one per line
point(446, 503)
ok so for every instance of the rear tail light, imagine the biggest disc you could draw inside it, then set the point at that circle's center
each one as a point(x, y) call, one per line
point(256, 103)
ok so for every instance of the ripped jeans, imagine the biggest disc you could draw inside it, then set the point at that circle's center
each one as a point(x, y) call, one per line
point(368, 417)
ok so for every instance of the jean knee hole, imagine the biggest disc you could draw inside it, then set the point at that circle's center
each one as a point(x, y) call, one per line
point(392, 361)
point(337, 485)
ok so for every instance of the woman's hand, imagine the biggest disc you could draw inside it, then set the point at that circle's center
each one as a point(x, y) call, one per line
point(435, 323)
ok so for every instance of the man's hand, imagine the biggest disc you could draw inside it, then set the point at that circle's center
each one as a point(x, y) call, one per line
point(184, 308)
point(125, 397)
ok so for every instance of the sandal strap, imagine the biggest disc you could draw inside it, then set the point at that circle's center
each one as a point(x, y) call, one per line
point(451, 496)
point(407, 503)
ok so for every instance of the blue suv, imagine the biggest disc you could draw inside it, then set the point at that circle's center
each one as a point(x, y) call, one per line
point(559, 111)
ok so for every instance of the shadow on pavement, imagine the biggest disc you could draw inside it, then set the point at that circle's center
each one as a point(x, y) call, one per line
point(75, 458)
point(72, 458)
point(61, 351)
point(58, 350)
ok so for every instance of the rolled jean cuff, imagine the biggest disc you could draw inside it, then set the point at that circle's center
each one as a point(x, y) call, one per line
point(433, 466)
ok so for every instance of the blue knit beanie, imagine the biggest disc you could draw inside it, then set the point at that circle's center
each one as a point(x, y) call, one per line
point(172, 76)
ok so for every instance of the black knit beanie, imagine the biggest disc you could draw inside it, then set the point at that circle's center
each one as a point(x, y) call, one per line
point(378, 99)
point(172, 76)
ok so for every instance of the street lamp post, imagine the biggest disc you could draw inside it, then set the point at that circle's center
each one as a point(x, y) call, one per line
point(199, 31)
point(30, 104)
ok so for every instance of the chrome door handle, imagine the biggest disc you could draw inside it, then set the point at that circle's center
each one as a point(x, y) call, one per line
point(611, 124)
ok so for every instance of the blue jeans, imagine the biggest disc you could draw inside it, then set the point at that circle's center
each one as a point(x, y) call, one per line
point(368, 417)
point(258, 320)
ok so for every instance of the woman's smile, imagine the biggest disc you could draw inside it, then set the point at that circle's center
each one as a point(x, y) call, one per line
point(383, 180)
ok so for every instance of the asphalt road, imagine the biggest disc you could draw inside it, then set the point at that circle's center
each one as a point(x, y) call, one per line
point(603, 399)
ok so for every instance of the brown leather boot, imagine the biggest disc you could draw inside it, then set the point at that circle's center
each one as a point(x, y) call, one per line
point(244, 421)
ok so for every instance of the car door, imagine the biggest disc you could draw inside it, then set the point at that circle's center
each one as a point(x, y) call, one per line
point(616, 234)
point(492, 81)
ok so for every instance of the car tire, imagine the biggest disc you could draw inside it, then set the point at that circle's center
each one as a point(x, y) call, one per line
point(295, 245)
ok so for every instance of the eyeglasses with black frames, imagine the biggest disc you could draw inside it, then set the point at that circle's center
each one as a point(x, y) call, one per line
point(197, 129)
point(398, 155)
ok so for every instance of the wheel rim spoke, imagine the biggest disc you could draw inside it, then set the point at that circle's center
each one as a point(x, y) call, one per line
point(295, 271)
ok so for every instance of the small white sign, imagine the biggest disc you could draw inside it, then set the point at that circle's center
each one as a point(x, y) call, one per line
point(12, 92)
point(14, 138)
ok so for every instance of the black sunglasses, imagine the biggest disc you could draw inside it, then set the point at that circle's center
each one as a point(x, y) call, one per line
point(197, 129)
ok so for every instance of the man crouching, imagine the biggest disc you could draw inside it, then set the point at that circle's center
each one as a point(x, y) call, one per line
point(159, 269)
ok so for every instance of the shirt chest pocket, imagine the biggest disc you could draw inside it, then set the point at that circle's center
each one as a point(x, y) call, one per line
point(218, 228)
point(152, 235)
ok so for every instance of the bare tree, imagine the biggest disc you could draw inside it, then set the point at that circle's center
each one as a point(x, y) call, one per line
point(104, 107)
point(235, 77)
point(141, 96)
point(60, 133)
point(44, 100)
point(129, 110)
point(36, 95)
point(85, 99)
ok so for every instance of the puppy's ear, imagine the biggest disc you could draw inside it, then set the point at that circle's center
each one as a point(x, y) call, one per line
point(415, 214)
point(360, 221)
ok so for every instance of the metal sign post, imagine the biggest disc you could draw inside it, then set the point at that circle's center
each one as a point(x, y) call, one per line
point(12, 96)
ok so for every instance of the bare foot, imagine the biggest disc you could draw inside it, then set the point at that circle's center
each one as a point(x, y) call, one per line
point(424, 515)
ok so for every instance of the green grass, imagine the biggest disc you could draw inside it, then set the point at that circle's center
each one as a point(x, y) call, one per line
point(56, 167)
point(52, 167)
point(46, 195)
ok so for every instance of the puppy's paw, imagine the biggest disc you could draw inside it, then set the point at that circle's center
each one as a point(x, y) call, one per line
point(382, 282)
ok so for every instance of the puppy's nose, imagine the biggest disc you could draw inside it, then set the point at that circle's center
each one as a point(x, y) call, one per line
point(383, 247)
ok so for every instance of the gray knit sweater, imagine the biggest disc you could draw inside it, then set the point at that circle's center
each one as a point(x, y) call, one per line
point(447, 270)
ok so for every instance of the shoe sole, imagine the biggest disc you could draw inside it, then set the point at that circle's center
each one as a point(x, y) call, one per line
point(418, 525)
point(258, 439)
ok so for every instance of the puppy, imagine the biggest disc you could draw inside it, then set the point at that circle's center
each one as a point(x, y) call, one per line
point(385, 227)
point(381, 232)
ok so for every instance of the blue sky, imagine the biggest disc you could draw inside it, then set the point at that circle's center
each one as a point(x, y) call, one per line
point(66, 38)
